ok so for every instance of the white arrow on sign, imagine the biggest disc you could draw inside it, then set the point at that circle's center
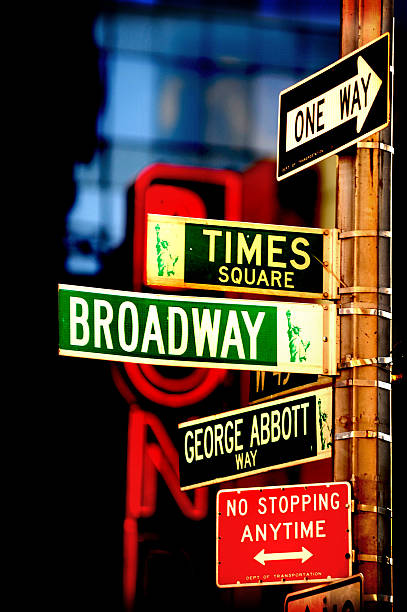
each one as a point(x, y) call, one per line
point(303, 554)
point(352, 98)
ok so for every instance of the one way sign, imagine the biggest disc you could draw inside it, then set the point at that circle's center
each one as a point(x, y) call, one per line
point(334, 108)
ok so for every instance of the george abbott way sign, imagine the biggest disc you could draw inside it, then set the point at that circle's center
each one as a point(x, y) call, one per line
point(334, 108)
point(285, 534)
point(289, 431)
point(244, 257)
point(198, 332)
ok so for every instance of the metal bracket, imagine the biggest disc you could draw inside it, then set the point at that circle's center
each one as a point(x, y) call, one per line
point(375, 558)
point(386, 290)
point(378, 597)
point(375, 145)
point(365, 233)
point(352, 363)
point(367, 433)
point(353, 310)
point(361, 382)
point(377, 509)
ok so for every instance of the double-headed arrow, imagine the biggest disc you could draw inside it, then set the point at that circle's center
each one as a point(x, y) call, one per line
point(303, 554)
point(350, 99)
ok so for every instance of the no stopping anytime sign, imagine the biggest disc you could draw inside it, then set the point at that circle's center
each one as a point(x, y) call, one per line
point(287, 534)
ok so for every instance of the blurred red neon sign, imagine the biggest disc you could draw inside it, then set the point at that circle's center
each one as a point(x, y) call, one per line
point(192, 192)
point(144, 461)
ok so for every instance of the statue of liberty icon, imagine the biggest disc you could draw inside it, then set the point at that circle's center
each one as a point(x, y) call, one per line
point(298, 347)
point(323, 425)
point(165, 260)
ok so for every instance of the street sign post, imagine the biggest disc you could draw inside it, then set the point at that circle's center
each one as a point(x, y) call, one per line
point(244, 257)
point(238, 443)
point(197, 331)
point(340, 596)
point(334, 108)
point(285, 534)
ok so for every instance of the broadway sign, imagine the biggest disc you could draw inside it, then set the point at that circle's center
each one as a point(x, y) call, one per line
point(293, 430)
point(281, 535)
point(244, 257)
point(197, 332)
point(334, 108)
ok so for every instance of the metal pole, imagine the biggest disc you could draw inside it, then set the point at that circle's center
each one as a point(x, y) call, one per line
point(362, 447)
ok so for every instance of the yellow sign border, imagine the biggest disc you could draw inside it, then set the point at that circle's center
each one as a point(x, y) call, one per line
point(320, 454)
point(330, 263)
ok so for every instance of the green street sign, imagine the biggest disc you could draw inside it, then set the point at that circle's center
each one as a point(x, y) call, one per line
point(197, 332)
point(244, 257)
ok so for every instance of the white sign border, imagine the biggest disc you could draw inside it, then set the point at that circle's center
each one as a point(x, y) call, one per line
point(348, 144)
point(284, 581)
point(329, 347)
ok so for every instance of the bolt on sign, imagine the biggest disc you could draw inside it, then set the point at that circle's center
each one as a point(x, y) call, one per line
point(281, 535)
point(341, 596)
point(334, 108)
point(196, 331)
point(245, 257)
point(285, 432)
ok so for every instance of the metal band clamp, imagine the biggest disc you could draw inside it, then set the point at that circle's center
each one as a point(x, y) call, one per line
point(376, 509)
point(352, 310)
point(361, 382)
point(353, 363)
point(375, 145)
point(375, 558)
point(386, 290)
point(368, 433)
point(378, 597)
point(365, 233)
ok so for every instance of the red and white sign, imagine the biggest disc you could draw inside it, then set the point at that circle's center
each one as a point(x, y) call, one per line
point(284, 534)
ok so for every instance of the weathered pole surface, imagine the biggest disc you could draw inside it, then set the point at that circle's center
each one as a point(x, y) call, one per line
point(362, 448)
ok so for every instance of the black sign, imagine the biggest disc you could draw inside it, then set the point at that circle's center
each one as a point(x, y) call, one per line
point(334, 108)
point(265, 385)
point(255, 439)
point(342, 596)
point(228, 256)
point(297, 270)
